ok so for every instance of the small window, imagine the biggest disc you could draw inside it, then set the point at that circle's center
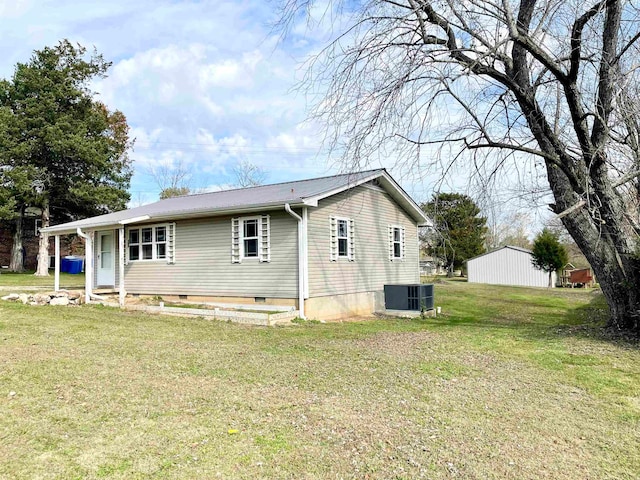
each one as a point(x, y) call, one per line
point(343, 238)
point(397, 243)
point(250, 238)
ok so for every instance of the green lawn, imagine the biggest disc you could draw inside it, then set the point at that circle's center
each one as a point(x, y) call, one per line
point(9, 280)
point(507, 383)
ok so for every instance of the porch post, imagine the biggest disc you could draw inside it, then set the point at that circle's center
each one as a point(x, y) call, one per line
point(88, 263)
point(56, 275)
point(121, 291)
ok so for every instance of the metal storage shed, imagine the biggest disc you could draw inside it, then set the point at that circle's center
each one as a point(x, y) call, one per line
point(507, 266)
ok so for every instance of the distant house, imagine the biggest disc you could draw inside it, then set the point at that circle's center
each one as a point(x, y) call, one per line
point(326, 246)
point(507, 266)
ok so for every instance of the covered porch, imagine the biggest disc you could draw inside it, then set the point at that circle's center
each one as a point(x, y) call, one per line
point(104, 261)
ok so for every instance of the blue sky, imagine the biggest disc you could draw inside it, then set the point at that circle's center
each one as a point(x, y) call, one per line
point(203, 84)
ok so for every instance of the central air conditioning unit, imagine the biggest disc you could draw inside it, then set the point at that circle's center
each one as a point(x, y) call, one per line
point(414, 297)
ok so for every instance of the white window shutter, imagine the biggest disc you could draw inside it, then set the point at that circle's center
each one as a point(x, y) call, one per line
point(402, 243)
point(126, 247)
point(333, 239)
point(265, 239)
point(352, 241)
point(171, 243)
point(390, 230)
point(235, 240)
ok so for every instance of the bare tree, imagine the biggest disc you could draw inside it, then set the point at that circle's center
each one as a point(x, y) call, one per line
point(172, 180)
point(505, 86)
point(510, 228)
point(249, 174)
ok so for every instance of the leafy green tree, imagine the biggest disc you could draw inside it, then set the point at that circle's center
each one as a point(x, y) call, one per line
point(459, 230)
point(171, 192)
point(549, 255)
point(75, 145)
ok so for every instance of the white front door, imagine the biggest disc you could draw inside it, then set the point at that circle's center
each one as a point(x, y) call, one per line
point(106, 259)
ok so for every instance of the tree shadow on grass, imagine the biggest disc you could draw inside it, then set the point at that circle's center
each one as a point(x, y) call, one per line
point(535, 321)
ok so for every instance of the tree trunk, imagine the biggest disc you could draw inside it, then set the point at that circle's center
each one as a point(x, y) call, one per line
point(43, 245)
point(616, 266)
point(550, 279)
point(16, 263)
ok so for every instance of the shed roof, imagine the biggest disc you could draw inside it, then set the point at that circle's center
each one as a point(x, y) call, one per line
point(263, 197)
point(520, 249)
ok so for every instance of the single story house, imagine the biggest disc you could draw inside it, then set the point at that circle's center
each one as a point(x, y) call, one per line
point(507, 266)
point(326, 246)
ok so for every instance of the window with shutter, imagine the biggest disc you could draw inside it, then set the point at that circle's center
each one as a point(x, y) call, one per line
point(342, 238)
point(251, 239)
point(396, 242)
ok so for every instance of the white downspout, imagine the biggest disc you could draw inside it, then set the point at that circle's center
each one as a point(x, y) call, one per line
point(301, 262)
point(88, 264)
point(121, 291)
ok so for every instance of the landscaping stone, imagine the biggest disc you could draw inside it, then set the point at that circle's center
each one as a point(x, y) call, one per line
point(75, 294)
point(59, 301)
point(41, 298)
point(63, 297)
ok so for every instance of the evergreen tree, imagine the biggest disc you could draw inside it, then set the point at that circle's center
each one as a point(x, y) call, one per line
point(75, 147)
point(549, 254)
point(459, 230)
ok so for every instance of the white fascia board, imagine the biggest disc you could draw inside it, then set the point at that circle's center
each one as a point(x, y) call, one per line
point(393, 189)
point(68, 228)
point(127, 221)
point(71, 227)
point(406, 201)
point(224, 211)
point(313, 201)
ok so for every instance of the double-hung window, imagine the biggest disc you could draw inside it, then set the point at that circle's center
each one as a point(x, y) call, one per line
point(343, 238)
point(250, 238)
point(396, 242)
point(147, 243)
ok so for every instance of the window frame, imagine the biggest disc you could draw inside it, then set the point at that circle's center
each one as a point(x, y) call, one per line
point(242, 238)
point(154, 243)
point(346, 238)
point(399, 242)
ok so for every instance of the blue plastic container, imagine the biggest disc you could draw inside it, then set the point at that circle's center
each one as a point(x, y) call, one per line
point(75, 266)
point(65, 264)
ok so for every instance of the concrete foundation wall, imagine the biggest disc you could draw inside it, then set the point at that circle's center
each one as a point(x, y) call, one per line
point(335, 307)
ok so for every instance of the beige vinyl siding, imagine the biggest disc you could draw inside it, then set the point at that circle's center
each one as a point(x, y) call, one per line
point(372, 211)
point(203, 263)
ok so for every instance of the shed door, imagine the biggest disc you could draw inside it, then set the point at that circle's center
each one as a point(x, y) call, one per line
point(106, 259)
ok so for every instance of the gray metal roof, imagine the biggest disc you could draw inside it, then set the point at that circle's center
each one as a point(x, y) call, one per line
point(296, 193)
point(512, 247)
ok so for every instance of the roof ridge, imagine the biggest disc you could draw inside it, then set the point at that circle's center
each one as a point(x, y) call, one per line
point(274, 184)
